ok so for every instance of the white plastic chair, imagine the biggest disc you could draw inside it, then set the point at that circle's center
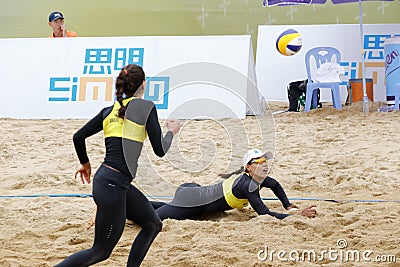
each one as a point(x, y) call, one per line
point(321, 55)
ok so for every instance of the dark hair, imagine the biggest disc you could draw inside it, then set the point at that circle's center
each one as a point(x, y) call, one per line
point(227, 175)
point(128, 82)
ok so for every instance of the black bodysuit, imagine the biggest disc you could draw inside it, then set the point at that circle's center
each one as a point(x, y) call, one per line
point(192, 199)
point(116, 198)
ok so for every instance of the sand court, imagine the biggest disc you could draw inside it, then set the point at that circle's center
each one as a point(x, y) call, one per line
point(346, 155)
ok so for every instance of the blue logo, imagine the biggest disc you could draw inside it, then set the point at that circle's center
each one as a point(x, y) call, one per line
point(97, 84)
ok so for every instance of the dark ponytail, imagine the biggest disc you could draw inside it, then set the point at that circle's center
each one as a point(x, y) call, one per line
point(128, 82)
point(227, 175)
point(120, 96)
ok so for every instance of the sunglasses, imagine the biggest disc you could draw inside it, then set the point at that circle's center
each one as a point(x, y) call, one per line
point(259, 161)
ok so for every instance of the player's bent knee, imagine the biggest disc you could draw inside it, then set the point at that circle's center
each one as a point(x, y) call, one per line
point(99, 255)
point(153, 227)
point(157, 226)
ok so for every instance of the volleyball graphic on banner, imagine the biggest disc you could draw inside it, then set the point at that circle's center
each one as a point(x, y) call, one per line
point(289, 42)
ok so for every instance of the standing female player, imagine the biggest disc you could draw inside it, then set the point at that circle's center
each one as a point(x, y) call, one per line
point(125, 125)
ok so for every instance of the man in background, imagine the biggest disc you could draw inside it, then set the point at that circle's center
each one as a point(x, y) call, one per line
point(56, 22)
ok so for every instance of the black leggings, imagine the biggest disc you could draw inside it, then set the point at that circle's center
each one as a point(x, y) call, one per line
point(115, 204)
point(168, 210)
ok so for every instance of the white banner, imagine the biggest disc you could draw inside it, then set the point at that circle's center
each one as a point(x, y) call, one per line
point(275, 71)
point(187, 76)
